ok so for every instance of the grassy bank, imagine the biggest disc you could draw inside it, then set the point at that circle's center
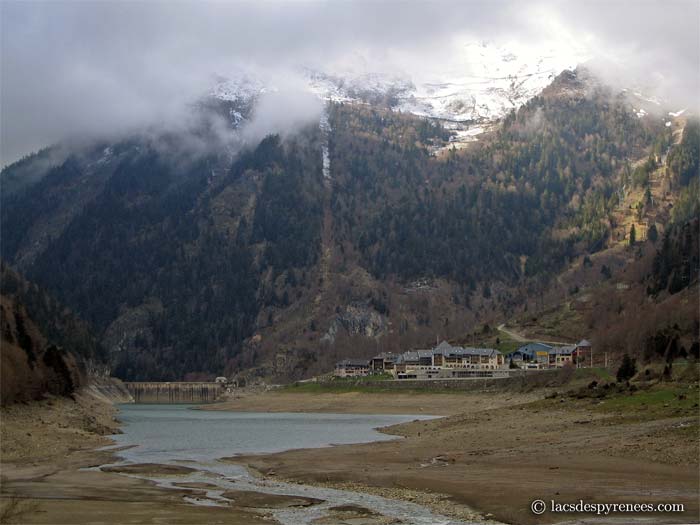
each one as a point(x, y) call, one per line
point(645, 398)
point(342, 385)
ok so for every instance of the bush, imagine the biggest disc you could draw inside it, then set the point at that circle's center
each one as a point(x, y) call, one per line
point(627, 369)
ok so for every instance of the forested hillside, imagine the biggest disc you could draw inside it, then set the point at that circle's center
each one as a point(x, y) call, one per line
point(208, 264)
point(58, 324)
point(552, 167)
point(683, 167)
point(46, 349)
point(145, 263)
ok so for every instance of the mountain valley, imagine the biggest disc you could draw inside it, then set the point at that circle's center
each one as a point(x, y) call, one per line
point(371, 232)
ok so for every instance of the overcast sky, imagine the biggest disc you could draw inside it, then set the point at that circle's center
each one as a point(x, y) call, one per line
point(85, 68)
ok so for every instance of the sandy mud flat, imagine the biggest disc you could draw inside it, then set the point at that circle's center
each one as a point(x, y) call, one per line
point(48, 459)
point(496, 453)
point(486, 460)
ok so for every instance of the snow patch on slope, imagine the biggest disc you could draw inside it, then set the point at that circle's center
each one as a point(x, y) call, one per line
point(472, 86)
point(241, 88)
point(482, 82)
point(325, 126)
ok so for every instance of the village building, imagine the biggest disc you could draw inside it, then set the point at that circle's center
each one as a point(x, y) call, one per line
point(446, 361)
point(541, 355)
point(352, 368)
point(425, 358)
point(562, 356)
point(414, 362)
point(450, 362)
point(439, 353)
point(475, 358)
point(383, 362)
point(535, 354)
point(584, 353)
point(404, 361)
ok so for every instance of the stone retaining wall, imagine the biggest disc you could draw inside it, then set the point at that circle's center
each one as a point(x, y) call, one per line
point(518, 380)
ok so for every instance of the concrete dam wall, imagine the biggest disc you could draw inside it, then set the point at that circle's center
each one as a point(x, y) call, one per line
point(176, 392)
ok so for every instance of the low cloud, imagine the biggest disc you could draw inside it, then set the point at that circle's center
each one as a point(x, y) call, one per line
point(282, 110)
point(101, 69)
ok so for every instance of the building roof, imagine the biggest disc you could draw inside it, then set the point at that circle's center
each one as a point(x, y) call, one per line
point(458, 351)
point(409, 356)
point(562, 350)
point(583, 343)
point(345, 363)
point(481, 351)
point(531, 348)
point(445, 349)
point(443, 346)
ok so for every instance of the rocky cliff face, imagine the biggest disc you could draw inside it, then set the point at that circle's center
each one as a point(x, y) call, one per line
point(356, 320)
point(31, 366)
point(46, 349)
point(108, 389)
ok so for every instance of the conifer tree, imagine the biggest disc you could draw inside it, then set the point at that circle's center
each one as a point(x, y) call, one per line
point(633, 235)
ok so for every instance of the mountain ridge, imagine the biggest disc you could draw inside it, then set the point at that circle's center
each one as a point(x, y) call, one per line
point(331, 242)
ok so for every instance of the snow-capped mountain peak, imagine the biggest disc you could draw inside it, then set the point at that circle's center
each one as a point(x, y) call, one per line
point(477, 84)
point(482, 82)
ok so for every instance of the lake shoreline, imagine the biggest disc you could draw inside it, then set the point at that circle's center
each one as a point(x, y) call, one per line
point(370, 403)
point(85, 479)
point(495, 453)
point(51, 451)
point(189, 448)
point(460, 465)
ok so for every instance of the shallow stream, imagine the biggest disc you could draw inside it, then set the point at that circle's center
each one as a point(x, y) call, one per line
point(175, 434)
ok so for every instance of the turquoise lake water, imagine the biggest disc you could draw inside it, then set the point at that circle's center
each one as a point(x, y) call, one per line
point(177, 434)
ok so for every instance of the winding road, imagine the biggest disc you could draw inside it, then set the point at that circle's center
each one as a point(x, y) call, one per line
point(522, 339)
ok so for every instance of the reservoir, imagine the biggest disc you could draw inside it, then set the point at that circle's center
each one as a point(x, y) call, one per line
point(167, 433)
point(199, 439)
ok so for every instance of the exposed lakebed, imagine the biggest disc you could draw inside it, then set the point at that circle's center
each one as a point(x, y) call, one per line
point(193, 444)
